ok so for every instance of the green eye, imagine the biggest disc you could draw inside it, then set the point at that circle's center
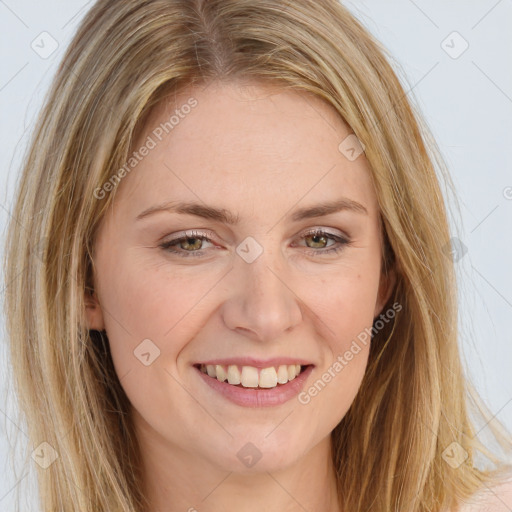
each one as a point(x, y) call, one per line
point(192, 243)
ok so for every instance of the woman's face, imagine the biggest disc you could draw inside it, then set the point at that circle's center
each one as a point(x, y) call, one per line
point(244, 174)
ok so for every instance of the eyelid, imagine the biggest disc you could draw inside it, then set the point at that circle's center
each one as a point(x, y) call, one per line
point(189, 233)
point(341, 240)
point(322, 230)
point(192, 233)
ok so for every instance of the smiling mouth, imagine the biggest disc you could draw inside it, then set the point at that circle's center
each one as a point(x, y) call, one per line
point(252, 377)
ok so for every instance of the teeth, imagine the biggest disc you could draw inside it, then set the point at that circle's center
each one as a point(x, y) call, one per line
point(251, 377)
point(221, 374)
point(282, 374)
point(268, 378)
point(233, 375)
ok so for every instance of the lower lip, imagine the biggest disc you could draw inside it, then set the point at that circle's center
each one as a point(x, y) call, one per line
point(252, 397)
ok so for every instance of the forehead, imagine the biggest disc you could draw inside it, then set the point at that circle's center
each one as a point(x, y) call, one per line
point(240, 143)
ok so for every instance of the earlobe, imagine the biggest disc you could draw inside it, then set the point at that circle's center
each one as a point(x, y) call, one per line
point(93, 312)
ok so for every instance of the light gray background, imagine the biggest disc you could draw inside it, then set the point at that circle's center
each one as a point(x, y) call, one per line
point(466, 100)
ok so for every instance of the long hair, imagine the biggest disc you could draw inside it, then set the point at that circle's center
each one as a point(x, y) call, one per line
point(412, 412)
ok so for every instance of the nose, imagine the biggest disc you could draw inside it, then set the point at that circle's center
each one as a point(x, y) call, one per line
point(261, 303)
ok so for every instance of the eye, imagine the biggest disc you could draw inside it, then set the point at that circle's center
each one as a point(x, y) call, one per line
point(321, 237)
point(191, 244)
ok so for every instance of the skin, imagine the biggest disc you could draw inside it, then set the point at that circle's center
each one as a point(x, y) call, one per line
point(260, 153)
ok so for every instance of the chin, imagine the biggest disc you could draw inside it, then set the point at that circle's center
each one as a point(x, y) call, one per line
point(257, 454)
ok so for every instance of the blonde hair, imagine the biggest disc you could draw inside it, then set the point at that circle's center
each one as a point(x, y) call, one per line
point(126, 57)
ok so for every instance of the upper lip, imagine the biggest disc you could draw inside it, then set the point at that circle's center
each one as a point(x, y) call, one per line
point(257, 363)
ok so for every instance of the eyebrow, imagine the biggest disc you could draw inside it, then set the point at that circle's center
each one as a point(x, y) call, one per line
point(226, 217)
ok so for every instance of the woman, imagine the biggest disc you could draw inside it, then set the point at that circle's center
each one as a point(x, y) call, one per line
point(242, 298)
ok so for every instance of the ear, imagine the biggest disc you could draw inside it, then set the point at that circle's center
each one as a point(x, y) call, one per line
point(93, 313)
point(386, 287)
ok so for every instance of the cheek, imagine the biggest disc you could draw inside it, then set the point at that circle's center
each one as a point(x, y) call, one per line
point(142, 300)
point(170, 306)
point(345, 302)
point(161, 302)
point(345, 306)
point(346, 312)
point(150, 314)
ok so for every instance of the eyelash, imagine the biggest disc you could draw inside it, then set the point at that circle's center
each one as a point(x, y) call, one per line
point(201, 236)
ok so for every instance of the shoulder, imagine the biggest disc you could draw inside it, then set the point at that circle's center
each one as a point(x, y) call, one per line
point(491, 499)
